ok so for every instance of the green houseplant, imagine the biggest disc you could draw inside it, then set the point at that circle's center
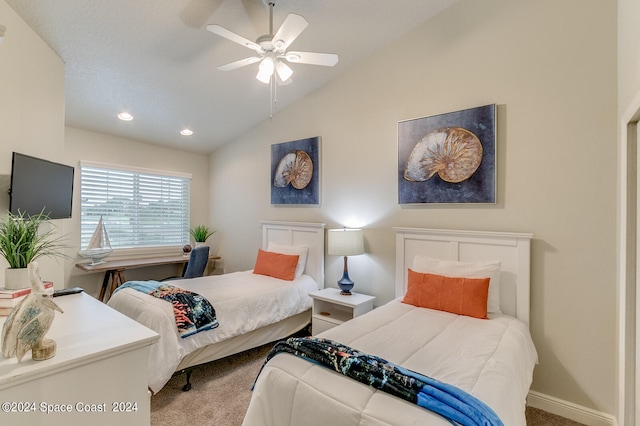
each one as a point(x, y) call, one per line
point(200, 233)
point(21, 243)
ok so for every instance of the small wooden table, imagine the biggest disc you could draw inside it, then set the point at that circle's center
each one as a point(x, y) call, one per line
point(114, 270)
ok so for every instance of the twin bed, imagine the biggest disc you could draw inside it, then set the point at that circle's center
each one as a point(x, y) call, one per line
point(251, 309)
point(491, 359)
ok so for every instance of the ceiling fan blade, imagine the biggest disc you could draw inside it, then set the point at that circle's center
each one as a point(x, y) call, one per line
point(312, 58)
point(290, 29)
point(239, 64)
point(230, 35)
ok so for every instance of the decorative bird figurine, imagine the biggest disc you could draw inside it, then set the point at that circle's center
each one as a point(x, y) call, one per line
point(29, 321)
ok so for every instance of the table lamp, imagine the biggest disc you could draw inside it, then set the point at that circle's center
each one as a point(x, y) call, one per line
point(345, 242)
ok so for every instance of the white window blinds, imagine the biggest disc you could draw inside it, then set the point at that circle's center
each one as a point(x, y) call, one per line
point(139, 208)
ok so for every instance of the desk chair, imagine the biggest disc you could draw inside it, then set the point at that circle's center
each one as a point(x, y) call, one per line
point(197, 264)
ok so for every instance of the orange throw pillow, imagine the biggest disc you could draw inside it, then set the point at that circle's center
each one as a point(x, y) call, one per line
point(276, 265)
point(462, 296)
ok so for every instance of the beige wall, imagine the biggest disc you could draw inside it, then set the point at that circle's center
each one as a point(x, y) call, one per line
point(551, 69)
point(628, 52)
point(628, 95)
point(31, 111)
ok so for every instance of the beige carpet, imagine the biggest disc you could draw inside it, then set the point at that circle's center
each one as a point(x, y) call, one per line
point(221, 391)
point(219, 395)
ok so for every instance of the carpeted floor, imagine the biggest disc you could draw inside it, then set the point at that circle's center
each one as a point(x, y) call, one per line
point(221, 392)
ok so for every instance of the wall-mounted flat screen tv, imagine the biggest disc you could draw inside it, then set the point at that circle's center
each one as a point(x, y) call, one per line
point(39, 185)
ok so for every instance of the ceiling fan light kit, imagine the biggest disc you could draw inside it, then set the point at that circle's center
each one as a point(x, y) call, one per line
point(272, 49)
point(265, 70)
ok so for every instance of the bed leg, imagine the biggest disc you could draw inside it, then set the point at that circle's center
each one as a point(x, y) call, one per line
point(187, 386)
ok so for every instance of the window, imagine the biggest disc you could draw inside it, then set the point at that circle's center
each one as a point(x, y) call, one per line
point(139, 208)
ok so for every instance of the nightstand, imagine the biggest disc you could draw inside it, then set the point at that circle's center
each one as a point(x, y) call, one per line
point(330, 308)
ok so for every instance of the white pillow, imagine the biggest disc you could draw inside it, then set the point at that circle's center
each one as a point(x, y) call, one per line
point(452, 268)
point(301, 251)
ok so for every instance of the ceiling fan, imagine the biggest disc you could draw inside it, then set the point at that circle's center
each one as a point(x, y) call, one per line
point(272, 48)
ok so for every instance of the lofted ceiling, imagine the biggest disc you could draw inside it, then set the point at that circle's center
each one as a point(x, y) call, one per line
point(156, 60)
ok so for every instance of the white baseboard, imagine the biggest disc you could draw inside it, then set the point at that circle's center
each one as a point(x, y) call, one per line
point(570, 410)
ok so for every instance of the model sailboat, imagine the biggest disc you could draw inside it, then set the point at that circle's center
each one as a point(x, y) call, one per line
point(99, 246)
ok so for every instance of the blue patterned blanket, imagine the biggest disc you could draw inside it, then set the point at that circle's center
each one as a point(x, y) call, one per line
point(192, 311)
point(454, 404)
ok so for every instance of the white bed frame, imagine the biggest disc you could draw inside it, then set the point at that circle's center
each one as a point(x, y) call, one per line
point(512, 249)
point(285, 233)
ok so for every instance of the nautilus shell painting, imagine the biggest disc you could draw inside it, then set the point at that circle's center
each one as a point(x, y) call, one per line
point(294, 172)
point(448, 158)
point(295, 169)
point(453, 153)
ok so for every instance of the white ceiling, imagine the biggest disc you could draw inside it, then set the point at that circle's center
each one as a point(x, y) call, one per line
point(156, 60)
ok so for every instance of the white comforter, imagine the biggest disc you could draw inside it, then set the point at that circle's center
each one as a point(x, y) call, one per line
point(491, 359)
point(243, 302)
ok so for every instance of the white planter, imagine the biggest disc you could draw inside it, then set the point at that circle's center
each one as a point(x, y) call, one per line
point(201, 243)
point(16, 278)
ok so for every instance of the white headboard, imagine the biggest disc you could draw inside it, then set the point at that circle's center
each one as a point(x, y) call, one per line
point(512, 249)
point(299, 234)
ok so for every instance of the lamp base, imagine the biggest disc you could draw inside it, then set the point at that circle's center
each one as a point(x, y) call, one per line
point(345, 284)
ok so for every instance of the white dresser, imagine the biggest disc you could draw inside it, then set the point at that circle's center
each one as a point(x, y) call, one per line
point(98, 375)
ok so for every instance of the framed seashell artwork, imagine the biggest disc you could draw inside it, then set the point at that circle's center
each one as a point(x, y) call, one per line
point(295, 170)
point(448, 158)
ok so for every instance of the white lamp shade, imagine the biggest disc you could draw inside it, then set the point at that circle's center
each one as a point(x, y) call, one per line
point(345, 242)
point(265, 70)
point(284, 72)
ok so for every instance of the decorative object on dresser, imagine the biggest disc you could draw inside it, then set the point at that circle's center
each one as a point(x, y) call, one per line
point(345, 242)
point(21, 242)
point(9, 299)
point(28, 323)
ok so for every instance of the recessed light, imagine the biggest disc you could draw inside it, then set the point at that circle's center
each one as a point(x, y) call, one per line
point(186, 132)
point(125, 116)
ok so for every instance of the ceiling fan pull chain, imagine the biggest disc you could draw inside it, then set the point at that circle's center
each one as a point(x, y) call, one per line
point(271, 97)
point(275, 92)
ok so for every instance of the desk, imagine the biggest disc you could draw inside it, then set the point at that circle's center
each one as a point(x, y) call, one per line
point(114, 270)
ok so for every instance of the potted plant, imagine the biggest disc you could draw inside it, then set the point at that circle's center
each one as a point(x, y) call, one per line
point(200, 233)
point(21, 243)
